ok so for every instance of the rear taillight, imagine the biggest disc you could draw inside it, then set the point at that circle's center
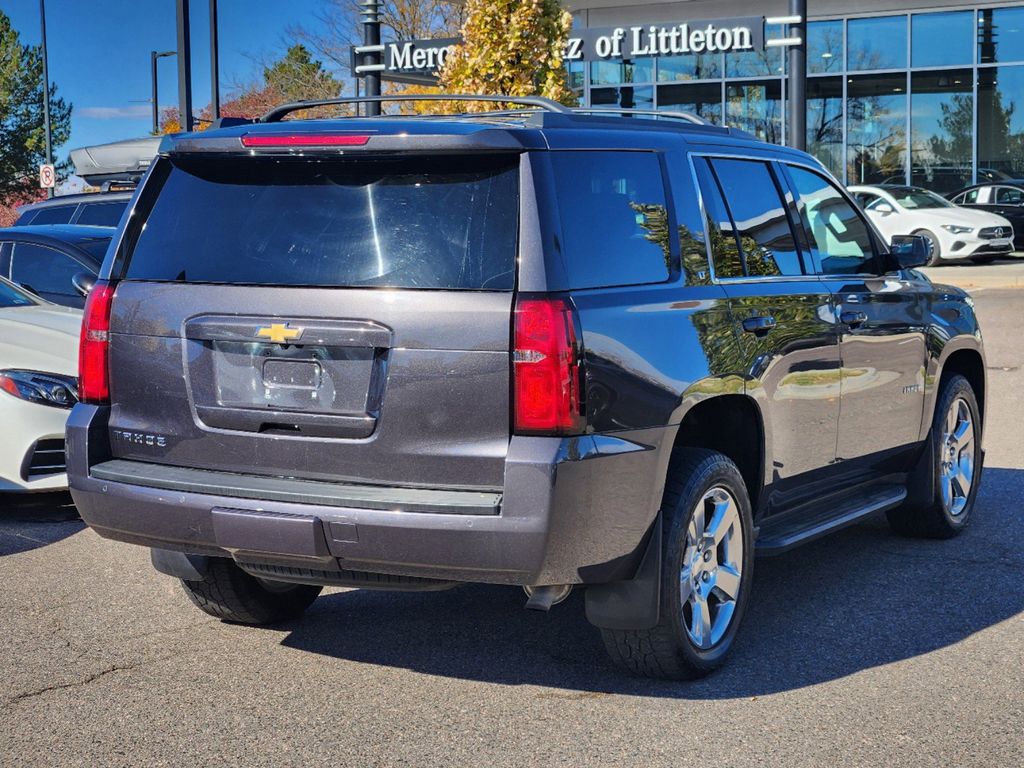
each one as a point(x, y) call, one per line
point(306, 140)
point(545, 369)
point(94, 348)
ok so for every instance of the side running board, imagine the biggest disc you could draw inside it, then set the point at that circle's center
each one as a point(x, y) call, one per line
point(812, 521)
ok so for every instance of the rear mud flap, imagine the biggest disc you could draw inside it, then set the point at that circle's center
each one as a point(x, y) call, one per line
point(631, 604)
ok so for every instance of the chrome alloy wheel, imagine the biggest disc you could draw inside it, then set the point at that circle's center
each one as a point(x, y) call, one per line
point(956, 460)
point(709, 580)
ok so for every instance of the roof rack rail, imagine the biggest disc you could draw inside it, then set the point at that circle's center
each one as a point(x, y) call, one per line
point(687, 116)
point(540, 102)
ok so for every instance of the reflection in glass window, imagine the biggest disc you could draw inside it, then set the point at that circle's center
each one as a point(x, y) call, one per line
point(1000, 35)
point(941, 39)
point(615, 72)
point(576, 75)
point(614, 217)
point(759, 215)
point(754, 63)
point(626, 97)
point(877, 129)
point(725, 247)
point(703, 99)
point(825, 121)
point(877, 43)
point(837, 231)
point(824, 47)
point(941, 138)
point(756, 108)
point(1000, 123)
point(690, 67)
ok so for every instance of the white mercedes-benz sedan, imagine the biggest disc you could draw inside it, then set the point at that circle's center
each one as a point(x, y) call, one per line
point(38, 386)
point(952, 232)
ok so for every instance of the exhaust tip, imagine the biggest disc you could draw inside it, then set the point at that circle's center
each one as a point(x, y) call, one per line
point(542, 598)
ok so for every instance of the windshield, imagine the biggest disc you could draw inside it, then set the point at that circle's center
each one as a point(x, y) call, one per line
point(912, 199)
point(14, 297)
point(440, 222)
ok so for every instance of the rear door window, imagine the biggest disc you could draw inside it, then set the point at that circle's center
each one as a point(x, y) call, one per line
point(435, 223)
point(1009, 196)
point(57, 214)
point(753, 213)
point(614, 216)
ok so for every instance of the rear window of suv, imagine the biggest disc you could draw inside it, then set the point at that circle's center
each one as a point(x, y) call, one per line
point(443, 223)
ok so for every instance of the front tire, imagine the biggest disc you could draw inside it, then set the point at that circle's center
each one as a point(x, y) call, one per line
point(707, 568)
point(230, 594)
point(954, 464)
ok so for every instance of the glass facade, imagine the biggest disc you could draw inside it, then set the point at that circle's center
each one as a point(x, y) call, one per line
point(933, 98)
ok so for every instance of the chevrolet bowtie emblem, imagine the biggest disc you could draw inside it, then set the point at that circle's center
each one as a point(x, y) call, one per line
point(279, 333)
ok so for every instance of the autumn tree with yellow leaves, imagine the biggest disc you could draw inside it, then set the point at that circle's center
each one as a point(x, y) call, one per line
point(512, 47)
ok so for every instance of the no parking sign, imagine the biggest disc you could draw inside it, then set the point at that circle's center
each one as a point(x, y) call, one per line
point(47, 176)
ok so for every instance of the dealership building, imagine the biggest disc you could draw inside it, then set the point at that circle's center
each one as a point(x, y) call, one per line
point(929, 93)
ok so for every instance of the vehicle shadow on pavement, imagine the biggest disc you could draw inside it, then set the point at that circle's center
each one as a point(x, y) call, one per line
point(36, 520)
point(859, 599)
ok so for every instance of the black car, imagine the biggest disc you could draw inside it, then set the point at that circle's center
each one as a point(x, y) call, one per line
point(58, 262)
point(544, 348)
point(1005, 198)
point(98, 209)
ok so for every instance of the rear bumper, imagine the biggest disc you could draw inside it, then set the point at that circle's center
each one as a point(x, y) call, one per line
point(572, 510)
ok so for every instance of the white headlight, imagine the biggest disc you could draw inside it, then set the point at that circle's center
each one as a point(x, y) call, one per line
point(956, 229)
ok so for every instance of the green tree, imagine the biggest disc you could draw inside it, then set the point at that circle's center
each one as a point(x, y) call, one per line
point(22, 137)
point(512, 47)
point(297, 76)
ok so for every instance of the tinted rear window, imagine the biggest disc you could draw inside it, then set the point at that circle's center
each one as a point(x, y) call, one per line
point(614, 217)
point(102, 214)
point(56, 214)
point(447, 222)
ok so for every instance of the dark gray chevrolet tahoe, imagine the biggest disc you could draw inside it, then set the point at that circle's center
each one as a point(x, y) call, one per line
point(542, 348)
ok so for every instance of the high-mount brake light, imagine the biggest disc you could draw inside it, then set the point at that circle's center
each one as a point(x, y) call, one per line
point(94, 347)
point(305, 140)
point(545, 369)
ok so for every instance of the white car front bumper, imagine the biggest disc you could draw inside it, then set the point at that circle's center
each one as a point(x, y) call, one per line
point(32, 446)
point(963, 246)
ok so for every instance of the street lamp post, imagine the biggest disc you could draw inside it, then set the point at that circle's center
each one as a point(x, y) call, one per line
point(214, 63)
point(153, 56)
point(46, 91)
point(798, 76)
point(184, 66)
point(371, 57)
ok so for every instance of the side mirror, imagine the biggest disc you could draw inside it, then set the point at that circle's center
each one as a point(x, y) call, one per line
point(883, 208)
point(83, 282)
point(910, 251)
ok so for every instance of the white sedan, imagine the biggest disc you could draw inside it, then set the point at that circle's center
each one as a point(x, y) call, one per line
point(38, 387)
point(952, 232)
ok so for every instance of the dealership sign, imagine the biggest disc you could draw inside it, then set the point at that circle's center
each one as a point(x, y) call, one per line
point(419, 60)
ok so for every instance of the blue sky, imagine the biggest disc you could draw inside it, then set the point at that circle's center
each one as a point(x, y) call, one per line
point(99, 54)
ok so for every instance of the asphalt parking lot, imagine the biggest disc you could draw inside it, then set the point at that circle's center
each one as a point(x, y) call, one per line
point(862, 649)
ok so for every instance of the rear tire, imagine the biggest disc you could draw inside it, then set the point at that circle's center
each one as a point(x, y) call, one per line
point(934, 249)
point(230, 594)
point(707, 568)
point(952, 463)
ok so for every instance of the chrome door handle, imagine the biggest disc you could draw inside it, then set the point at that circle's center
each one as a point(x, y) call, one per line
point(853, 319)
point(759, 326)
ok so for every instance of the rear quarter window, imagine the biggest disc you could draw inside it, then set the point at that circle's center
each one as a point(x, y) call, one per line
point(614, 217)
point(433, 223)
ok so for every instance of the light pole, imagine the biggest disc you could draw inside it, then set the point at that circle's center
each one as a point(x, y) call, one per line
point(184, 66)
point(798, 76)
point(371, 58)
point(214, 63)
point(46, 91)
point(153, 56)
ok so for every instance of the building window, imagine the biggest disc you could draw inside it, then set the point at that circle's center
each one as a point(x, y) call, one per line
point(693, 67)
point(941, 135)
point(703, 99)
point(876, 129)
point(1000, 123)
point(824, 47)
point(756, 108)
point(754, 63)
point(941, 39)
point(825, 121)
point(623, 97)
point(615, 72)
point(1000, 35)
point(879, 43)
